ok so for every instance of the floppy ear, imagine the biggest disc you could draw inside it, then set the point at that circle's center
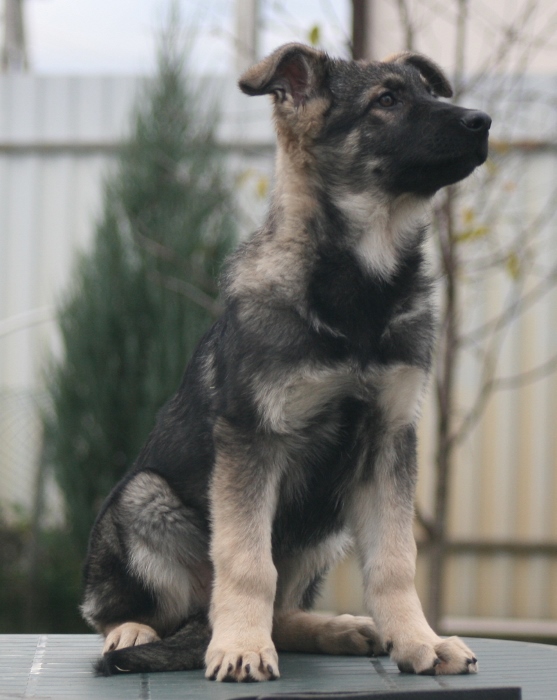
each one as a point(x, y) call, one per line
point(292, 72)
point(430, 71)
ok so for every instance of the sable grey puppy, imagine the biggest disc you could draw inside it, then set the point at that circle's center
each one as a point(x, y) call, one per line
point(292, 436)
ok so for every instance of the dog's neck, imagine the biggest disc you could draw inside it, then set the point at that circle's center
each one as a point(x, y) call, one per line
point(378, 228)
point(381, 229)
point(295, 193)
point(305, 216)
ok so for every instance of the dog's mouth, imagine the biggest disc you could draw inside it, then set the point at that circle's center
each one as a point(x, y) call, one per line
point(483, 149)
point(426, 178)
point(473, 153)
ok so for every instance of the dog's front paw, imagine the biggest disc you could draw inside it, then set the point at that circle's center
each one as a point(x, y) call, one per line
point(347, 634)
point(443, 657)
point(129, 634)
point(242, 664)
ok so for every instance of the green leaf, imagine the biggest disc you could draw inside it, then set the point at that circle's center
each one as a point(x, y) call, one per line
point(314, 35)
point(472, 234)
point(262, 187)
point(513, 266)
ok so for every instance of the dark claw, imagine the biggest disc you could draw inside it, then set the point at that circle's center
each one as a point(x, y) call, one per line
point(437, 662)
point(248, 668)
point(272, 676)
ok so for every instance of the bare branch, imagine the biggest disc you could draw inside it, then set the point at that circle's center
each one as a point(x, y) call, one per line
point(190, 291)
point(461, 26)
point(514, 310)
point(510, 34)
point(162, 252)
point(492, 385)
point(425, 522)
point(407, 24)
point(485, 393)
point(531, 376)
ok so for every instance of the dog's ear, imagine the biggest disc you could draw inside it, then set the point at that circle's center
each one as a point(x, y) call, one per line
point(429, 70)
point(294, 72)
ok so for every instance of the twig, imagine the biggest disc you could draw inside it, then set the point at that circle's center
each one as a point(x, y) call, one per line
point(167, 254)
point(425, 522)
point(190, 291)
point(531, 376)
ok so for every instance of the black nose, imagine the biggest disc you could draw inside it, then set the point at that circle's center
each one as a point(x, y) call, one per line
point(476, 120)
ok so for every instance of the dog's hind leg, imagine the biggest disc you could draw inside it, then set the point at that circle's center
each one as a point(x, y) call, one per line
point(381, 515)
point(313, 633)
point(296, 629)
point(147, 566)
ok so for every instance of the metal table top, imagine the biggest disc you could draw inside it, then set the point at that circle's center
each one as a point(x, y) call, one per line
point(60, 666)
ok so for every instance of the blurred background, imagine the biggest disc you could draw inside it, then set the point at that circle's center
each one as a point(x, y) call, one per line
point(130, 164)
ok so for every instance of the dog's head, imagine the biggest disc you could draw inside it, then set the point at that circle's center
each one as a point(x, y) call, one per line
point(371, 125)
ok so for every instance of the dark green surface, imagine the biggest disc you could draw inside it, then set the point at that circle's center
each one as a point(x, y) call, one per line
point(60, 666)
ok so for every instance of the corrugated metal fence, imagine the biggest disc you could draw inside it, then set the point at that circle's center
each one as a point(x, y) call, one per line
point(58, 137)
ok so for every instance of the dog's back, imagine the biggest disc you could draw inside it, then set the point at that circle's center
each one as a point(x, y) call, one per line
point(294, 428)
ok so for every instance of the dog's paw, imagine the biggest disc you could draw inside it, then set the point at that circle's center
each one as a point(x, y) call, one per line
point(347, 634)
point(129, 634)
point(444, 657)
point(242, 665)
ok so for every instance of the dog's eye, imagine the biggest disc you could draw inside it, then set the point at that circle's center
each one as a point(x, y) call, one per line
point(387, 99)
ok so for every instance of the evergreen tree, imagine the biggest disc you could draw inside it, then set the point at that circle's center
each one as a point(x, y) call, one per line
point(141, 298)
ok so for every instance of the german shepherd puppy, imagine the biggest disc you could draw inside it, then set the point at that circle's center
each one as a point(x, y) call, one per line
point(292, 436)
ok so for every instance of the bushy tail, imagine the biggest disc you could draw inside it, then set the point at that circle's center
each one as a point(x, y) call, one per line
point(182, 651)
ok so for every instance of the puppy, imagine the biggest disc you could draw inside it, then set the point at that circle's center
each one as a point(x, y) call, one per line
point(292, 437)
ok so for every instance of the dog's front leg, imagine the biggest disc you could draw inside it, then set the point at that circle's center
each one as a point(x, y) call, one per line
point(382, 516)
point(243, 500)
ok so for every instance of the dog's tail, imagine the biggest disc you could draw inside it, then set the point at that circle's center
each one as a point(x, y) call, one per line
point(182, 651)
